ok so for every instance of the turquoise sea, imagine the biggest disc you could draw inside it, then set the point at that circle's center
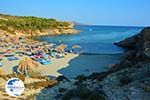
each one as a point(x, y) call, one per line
point(97, 45)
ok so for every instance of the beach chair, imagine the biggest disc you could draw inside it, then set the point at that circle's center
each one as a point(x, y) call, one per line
point(45, 62)
point(59, 56)
point(52, 54)
point(12, 58)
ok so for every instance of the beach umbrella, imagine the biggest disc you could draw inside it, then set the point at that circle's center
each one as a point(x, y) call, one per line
point(27, 65)
point(76, 46)
point(46, 46)
point(1, 71)
point(61, 47)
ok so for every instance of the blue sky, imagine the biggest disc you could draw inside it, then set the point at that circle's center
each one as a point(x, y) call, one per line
point(96, 12)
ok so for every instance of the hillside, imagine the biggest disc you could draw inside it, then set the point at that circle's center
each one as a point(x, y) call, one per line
point(33, 26)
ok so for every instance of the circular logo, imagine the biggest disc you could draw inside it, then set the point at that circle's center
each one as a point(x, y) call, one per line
point(14, 87)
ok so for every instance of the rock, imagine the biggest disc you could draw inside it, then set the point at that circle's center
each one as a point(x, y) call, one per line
point(139, 44)
point(62, 78)
point(147, 52)
point(97, 95)
point(129, 43)
point(147, 49)
point(99, 76)
point(140, 56)
point(80, 92)
point(62, 89)
point(146, 44)
point(80, 79)
point(123, 64)
point(146, 33)
point(125, 80)
point(130, 54)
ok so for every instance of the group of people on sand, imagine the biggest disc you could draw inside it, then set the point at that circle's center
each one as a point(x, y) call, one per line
point(41, 52)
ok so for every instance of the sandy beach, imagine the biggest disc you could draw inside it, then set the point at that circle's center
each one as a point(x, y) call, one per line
point(45, 70)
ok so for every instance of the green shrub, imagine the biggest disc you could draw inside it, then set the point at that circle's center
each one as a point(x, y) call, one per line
point(25, 23)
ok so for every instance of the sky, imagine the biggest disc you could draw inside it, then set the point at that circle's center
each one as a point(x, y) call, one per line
point(91, 12)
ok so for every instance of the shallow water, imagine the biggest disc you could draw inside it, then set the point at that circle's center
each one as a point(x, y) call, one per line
point(96, 41)
point(87, 64)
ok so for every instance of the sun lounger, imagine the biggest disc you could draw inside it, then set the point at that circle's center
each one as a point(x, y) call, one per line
point(52, 54)
point(59, 56)
point(37, 56)
point(38, 59)
point(12, 58)
point(45, 62)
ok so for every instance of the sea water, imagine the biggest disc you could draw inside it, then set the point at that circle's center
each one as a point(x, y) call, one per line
point(99, 52)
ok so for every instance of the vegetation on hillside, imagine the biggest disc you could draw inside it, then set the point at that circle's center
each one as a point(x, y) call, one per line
point(30, 23)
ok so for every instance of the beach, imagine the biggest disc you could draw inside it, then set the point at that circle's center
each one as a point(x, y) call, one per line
point(46, 70)
point(39, 59)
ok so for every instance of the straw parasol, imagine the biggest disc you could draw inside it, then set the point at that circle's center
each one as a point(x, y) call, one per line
point(27, 65)
point(1, 71)
point(61, 47)
point(76, 46)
